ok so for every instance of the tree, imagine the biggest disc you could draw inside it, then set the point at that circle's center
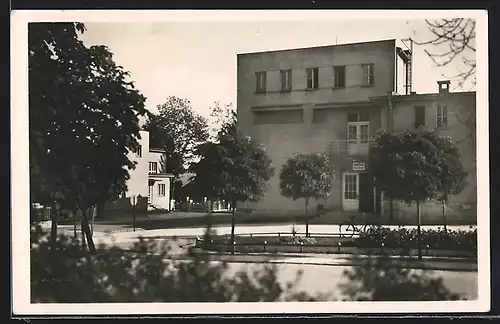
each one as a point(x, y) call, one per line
point(453, 39)
point(234, 169)
point(416, 166)
point(306, 176)
point(177, 129)
point(453, 176)
point(454, 42)
point(224, 118)
point(83, 119)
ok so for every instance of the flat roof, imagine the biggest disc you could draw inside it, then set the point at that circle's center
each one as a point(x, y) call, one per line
point(424, 95)
point(317, 47)
point(155, 149)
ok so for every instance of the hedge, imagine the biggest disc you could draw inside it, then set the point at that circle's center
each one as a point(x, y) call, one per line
point(407, 238)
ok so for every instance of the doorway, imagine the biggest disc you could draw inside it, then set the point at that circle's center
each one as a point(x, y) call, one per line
point(150, 194)
point(350, 195)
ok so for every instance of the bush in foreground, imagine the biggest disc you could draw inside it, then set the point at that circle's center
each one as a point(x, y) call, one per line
point(68, 274)
point(378, 280)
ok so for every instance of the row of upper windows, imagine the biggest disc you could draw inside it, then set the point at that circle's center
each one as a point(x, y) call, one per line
point(312, 78)
point(441, 116)
point(153, 166)
point(320, 116)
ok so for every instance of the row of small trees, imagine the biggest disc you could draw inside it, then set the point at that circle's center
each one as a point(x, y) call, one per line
point(411, 167)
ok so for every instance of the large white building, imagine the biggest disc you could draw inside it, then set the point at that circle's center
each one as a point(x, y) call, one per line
point(148, 178)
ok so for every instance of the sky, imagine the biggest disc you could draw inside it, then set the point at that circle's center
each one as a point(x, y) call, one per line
point(196, 60)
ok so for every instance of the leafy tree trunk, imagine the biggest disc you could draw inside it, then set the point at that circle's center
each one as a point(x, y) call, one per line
point(86, 230)
point(233, 209)
point(74, 223)
point(53, 229)
point(92, 212)
point(307, 219)
point(82, 234)
point(444, 214)
point(419, 220)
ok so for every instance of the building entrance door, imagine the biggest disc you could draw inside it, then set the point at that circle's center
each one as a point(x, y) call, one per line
point(350, 197)
point(150, 194)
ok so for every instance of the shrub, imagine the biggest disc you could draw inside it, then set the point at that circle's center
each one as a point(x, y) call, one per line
point(378, 280)
point(70, 274)
point(407, 238)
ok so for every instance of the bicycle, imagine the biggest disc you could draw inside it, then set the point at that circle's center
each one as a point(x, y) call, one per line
point(351, 228)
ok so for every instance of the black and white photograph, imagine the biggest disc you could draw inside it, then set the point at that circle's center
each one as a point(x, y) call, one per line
point(243, 162)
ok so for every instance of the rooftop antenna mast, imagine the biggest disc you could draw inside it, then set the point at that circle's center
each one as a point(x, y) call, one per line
point(408, 43)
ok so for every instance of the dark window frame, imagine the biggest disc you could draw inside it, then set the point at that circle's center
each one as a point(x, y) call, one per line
point(336, 83)
point(442, 120)
point(261, 82)
point(162, 189)
point(368, 77)
point(286, 80)
point(419, 123)
point(312, 78)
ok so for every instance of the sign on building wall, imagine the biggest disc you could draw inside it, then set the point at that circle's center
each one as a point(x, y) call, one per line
point(358, 166)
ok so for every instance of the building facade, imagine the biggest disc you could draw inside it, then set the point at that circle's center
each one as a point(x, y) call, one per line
point(148, 178)
point(333, 99)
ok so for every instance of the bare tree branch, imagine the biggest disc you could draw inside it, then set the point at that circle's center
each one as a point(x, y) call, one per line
point(453, 39)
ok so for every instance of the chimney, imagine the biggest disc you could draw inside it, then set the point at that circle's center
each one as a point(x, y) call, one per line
point(444, 86)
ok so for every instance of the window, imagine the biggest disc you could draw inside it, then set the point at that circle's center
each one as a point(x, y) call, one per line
point(339, 76)
point(364, 133)
point(286, 80)
point(350, 186)
point(368, 74)
point(419, 116)
point(153, 167)
point(261, 81)
point(312, 78)
point(358, 128)
point(138, 152)
point(352, 133)
point(161, 189)
point(442, 116)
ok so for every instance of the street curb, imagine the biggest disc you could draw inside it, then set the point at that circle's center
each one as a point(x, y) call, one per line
point(346, 256)
point(339, 262)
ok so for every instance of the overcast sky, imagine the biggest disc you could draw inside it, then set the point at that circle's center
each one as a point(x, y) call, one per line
point(197, 60)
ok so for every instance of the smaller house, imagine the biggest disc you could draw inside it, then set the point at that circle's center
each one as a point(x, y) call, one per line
point(148, 178)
